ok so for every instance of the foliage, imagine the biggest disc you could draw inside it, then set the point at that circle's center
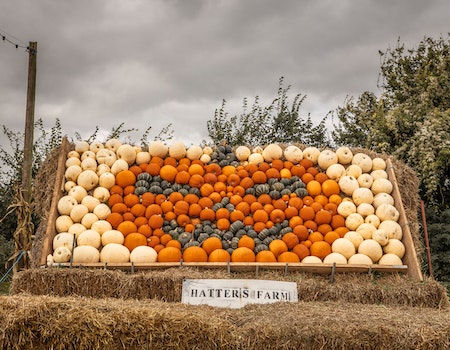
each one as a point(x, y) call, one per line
point(411, 118)
point(279, 122)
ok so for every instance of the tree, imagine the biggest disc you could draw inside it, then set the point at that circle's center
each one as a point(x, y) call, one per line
point(411, 118)
point(278, 122)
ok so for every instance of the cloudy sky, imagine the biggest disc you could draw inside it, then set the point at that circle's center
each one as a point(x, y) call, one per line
point(151, 63)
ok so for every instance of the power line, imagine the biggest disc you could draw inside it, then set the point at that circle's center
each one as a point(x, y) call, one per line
point(17, 43)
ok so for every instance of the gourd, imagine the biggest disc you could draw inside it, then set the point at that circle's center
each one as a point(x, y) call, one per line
point(88, 179)
point(311, 153)
point(62, 223)
point(107, 180)
point(366, 230)
point(395, 246)
point(87, 154)
point(90, 202)
point(378, 164)
point(76, 229)
point(101, 226)
point(392, 228)
point(61, 254)
point(106, 156)
point(271, 152)
point(360, 259)
point(379, 174)
point(112, 236)
point(390, 259)
point(345, 208)
point(113, 145)
point(293, 154)
point(81, 147)
point(335, 257)
point(380, 236)
point(372, 249)
point(387, 212)
point(365, 180)
point(89, 237)
point(101, 169)
point(242, 153)
point(158, 149)
point(362, 195)
point(142, 158)
point(310, 259)
point(344, 154)
point(194, 152)
point(118, 166)
point(96, 146)
point(363, 161)
point(353, 221)
point(382, 198)
point(73, 161)
point(69, 185)
point(381, 185)
point(326, 158)
point(335, 171)
point(344, 247)
point(63, 239)
point(114, 253)
point(348, 184)
point(127, 153)
point(78, 212)
point(143, 254)
point(373, 220)
point(78, 192)
point(85, 254)
point(353, 170)
point(255, 158)
point(88, 220)
point(101, 193)
point(102, 211)
point(72, 172)
point(354, 237)
point(66, 204)
point(177, 150)
point(89, 164)
point(365, 209)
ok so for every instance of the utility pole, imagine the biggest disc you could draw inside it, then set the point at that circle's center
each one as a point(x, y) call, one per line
point(25, 229)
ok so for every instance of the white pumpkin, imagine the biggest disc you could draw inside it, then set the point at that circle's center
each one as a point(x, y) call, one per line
point(258, 149)
point(345, 208)
point(378, 164)
point(76, 229)
point(372, 249)
point(311, 259)
point(354, 237)
point(143, 254)
point(353, 170)
point(85, 254)
point(61, 255)
point(311, 153)
point(87, 179)
point(88, 220)
point(68, 185)
point(392, 228)
point(73, 161)
point(106, 156)
point(373, 220)
point(78, 192)
point(114, 253)
point(66, 204)
point(207, 150)
point(242, 153)
point(255, 158)
point(90, 202)
point(335, 257)
point(63, 239)
point(177, 150)
point(87, 154)
point(143, 158)
point(365, 209)
point(158, 149)
point(81, 147)
point(118, 166)
point(382, 198)
point(380, 236)
point(101, 226)
point(360, 259)
point(73, 154)
point(101, 169)
point(102, 194)
point(205, 158)
point(89, 164)
point(72, 172)
point(293, 154)
point(387, 212)
point(107, 180)
point(335, 171)
point(194, 152)
point(113, 145)
point(395, 246)
point(326, 158)
point(366, 230)
point(89, 237)
point(348, 184)
point(112, 236)
point(382, 186)
point(96, 146)
point(364, 162)
point(271, 152)
point(102, 211)
point(344, 247)
point(365, 180)
point(362, 195)
point(390, 259)
point(353, 221)
point(62, 223)
point(345, 155)
point(78, 212)
point(127, 153)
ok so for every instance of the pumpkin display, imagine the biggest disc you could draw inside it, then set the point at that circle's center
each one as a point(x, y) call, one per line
point(166, 203)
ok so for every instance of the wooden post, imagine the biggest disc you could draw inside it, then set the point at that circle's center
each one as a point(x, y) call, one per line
point(23, 241)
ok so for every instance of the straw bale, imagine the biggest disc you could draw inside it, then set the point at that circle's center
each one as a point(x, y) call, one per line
point(166, 285)
point(43, 322)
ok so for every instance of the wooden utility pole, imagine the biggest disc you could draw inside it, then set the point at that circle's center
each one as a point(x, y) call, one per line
point(25, 227)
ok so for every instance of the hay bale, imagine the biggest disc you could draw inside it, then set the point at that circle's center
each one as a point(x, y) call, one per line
point(42, 322)
point(166, 285)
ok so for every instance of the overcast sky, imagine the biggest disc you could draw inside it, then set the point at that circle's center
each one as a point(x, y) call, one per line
point(151, 63)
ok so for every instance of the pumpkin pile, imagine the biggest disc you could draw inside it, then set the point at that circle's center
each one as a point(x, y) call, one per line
point(123, 203)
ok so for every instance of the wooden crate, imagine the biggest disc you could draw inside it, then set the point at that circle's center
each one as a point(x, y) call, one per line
point(411, 264)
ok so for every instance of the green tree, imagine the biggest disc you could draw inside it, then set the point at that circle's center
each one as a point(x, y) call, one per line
point(278, 122)
point(410, 119)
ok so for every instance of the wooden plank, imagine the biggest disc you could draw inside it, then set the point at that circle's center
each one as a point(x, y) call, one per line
point(58, 191)
point(410, 258)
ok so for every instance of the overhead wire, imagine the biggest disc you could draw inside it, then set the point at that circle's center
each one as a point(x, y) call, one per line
point(10, 39)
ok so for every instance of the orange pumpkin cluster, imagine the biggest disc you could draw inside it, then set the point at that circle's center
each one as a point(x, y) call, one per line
point(312, 220)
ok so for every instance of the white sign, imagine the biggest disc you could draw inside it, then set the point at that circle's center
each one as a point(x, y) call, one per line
point(236, 293)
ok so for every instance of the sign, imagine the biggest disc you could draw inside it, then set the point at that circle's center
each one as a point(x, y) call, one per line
point(236, 293)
